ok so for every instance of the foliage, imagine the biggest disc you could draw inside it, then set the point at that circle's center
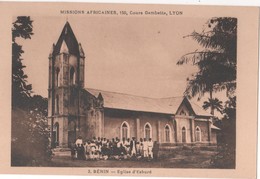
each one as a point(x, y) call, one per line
point(21, 91)
point(30, 136)
point(227, 140)
point(30, 142)
point(217, 61)
point(217, 70)
point(213, 104)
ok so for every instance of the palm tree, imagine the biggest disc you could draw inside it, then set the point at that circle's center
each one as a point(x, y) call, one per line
point(213, 104)
point(217, 62)
point(217, 71)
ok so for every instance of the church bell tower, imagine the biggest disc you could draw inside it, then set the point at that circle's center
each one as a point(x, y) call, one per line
point(66, 80)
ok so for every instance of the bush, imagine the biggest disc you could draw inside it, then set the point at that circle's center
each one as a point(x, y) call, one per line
point(30, 142)
point(225, 158)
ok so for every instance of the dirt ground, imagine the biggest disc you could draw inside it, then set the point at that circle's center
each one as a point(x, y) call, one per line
point(181, 159)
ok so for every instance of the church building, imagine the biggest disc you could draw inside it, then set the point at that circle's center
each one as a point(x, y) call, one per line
point(74, 110)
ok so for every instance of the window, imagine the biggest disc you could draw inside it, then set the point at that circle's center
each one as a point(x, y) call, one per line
point(147, 131)
point(167, 130)
point(58, 77)
point(72, 76)
point(125, 131)
point(57, 104)
point(198, 134)
point(183, 113)
point(56, 134)
point(183, 132)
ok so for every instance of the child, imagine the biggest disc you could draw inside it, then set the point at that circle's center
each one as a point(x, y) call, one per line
point(87, 149)
point(92, 150)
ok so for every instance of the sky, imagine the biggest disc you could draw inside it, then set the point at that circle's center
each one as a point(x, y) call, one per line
point(133, 55)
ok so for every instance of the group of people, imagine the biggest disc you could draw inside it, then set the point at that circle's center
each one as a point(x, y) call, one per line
point(102, 148)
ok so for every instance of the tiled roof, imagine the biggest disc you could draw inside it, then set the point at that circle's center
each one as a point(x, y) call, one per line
point(170, 105)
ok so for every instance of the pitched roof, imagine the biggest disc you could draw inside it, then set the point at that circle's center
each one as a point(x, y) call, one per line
point(214, 127)
point(199, 110)
point(67, 38)
point(116, 100)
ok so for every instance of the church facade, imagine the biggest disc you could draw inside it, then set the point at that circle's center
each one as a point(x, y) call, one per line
point(77, 111)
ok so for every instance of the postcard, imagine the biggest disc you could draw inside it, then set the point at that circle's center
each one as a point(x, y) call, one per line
point(129, 89)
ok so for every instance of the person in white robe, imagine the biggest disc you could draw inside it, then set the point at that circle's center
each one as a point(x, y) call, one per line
point(145, 148)
point(150, 148)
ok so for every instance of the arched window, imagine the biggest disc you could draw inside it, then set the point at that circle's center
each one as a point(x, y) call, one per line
point(183, 132)
point(125, 130)
point(57, 77)
point(57, 104)
point(198, 134)
point(56, 134)
point(72, 76)
point(167, 131)
point(147, 131)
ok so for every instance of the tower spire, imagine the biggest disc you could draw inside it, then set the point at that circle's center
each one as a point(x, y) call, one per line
point(67, 36)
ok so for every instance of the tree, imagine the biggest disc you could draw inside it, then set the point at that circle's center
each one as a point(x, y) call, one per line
point(21, 91)
point(30, 135)
point(213, 104)
point(217, 69)
point(216, 61)
point(226, 155)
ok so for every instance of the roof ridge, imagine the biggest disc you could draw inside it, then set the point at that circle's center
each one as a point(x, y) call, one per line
point(196, 104)
point(131, 94)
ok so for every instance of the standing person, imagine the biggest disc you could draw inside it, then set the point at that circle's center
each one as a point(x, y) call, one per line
point(114, 147)
point(123, 142)
point(122, 151)
point(118, 146)
point(141, 147)
point(79, 141)
point(133, 147)
point(88, 150)
point(104, 142)
point(82, 152)
point(109, 153)
point(150, 148)
point(94, 139)
point(98, 147)
point(127, 146)
point(138, 148)
point(73, 151)
point(145, 148)
point(111, 146)
point(117, 139)
point(78, 151)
